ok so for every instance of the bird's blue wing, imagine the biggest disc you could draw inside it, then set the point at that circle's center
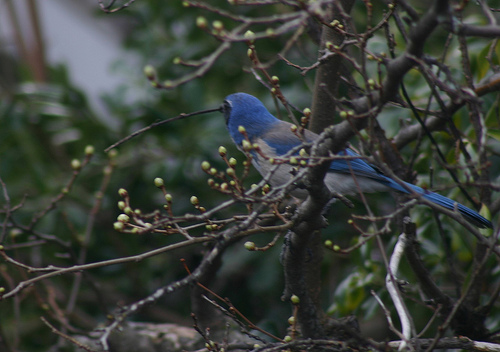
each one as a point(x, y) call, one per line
point(353, 164)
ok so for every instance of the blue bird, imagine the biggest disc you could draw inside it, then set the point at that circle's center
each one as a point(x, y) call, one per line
point(275, 138)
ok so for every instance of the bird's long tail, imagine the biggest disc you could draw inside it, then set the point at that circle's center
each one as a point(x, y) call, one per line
point(470, 215)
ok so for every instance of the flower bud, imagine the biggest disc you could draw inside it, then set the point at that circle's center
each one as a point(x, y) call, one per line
point(249, 35)
point(159, 182)
point(249, 246)
point(246, 145)
point(266, 188)
point(122, 192)
point(123, 218)
point(112, 153)
point(149, 72)
point(222, 150)
point(76, 164)
point(194, 200)
point(218, 25)
point(89, 150)
point(205, 166)
point(201, 22)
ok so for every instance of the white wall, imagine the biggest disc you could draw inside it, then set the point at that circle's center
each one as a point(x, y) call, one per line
point(74, 35)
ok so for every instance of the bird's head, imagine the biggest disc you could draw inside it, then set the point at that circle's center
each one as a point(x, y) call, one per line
point(241, 109)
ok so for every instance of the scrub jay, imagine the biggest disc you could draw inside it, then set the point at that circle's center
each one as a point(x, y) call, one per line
point(275, 139)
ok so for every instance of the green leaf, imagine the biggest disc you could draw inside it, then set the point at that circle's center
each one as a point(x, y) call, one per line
point(494, 133)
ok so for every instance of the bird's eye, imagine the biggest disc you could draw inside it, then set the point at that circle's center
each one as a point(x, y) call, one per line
point(226, 109)
point(226, 105)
